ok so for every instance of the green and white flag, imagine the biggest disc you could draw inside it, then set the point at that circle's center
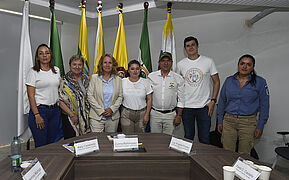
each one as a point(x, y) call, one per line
point(144, 48)
point(55, 43)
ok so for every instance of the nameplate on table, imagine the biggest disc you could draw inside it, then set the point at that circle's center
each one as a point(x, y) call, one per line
point(245, 171)
point(85, 147)
point(36, 172)
point(181, 145)
point(125, 144)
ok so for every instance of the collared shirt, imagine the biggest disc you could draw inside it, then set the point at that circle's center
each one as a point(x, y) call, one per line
point(244, 101)
point(107, 89)
point(168, 91)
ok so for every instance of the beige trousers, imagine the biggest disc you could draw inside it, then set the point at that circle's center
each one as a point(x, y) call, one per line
point(132, 120)
point(239, 127)
point(108, 125)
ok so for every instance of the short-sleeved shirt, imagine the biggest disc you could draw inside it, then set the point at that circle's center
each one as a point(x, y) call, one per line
point(134, 93)
point(168, 90)
point(197, 74)
point(46, 85)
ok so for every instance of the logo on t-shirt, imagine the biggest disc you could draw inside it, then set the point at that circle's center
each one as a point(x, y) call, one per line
point(194, 76)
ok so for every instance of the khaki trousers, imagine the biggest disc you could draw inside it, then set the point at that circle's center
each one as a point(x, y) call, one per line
point(239, 127)
point(132, 120)
point(108, 125)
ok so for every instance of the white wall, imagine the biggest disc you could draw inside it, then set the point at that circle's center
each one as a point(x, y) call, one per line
point(10, 32)
point(224, 37)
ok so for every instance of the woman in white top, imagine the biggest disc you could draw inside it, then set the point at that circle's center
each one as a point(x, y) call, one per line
point(137, 100)
point(42, 88)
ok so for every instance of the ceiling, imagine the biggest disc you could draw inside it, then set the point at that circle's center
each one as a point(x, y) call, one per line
point(68, 10)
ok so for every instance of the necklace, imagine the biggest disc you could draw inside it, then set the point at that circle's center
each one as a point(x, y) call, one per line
point(242, 81)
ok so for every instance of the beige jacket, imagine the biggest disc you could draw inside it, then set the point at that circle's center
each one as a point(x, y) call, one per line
point(95, 97)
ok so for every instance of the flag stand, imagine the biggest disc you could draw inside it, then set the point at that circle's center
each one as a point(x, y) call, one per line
point(28, 145)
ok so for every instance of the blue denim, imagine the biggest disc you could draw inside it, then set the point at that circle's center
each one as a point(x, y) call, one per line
point(52, 132)
point(203, 122)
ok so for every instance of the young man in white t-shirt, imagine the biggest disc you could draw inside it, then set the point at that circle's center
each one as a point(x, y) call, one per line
point(198, 70)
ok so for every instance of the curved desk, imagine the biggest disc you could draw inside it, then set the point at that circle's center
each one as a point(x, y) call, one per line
point(159, 162)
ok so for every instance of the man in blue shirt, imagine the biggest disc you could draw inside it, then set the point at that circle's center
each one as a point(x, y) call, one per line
point(242, 96)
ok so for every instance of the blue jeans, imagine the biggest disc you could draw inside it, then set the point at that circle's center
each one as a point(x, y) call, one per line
point(52, 132)
point(203, 122)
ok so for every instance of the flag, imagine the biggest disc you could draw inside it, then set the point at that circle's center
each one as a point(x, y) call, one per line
point(83, 41)
point(144, 57)
point(25, 64)
point(55, 43)
point(168, 39)
point(99, 47)
point(120, 52)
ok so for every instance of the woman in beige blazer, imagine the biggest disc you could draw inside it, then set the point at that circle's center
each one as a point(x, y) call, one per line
point(105, 96)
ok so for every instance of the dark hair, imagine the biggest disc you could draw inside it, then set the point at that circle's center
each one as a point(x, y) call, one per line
point(131, 63)
point(76, 57)
point(190, 38)
point(253, 73)
point(114, 65)
point(36, 66)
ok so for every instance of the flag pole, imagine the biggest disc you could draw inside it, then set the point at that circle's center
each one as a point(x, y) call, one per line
point(120, 50)
point(146, 5)
point(83, 2)
point(83, 40)
point(169, 7)
point(28, 141)
point(99, 47)
point(52, 3)
point(99, 6)
point(120, 6)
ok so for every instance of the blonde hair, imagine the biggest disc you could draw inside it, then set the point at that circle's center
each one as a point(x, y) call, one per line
point(100, 65)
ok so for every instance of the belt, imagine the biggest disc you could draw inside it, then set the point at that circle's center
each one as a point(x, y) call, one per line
point(164, 111)
point(135, 110)
point(48, 106)
point(240, 116)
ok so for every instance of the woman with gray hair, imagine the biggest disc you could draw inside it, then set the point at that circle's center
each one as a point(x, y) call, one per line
point(73, 99)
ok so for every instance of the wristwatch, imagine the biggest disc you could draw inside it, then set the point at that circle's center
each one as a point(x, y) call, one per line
point(214, 99)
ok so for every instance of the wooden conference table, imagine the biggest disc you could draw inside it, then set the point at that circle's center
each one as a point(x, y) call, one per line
point(159, 162)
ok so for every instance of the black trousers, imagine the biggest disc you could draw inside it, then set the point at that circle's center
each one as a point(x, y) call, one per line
point(68, 131)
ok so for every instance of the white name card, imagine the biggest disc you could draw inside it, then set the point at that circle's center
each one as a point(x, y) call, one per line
point(244, 171)
point(35, 173)
point(181, 145)
point(86, 147)
point(123, 144)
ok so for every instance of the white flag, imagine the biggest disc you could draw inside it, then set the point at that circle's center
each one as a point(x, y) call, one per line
point(99, 47)
point(168, 39)
point(25, 64)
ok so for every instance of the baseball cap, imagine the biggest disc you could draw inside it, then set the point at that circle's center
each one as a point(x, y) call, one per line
point(165, 54)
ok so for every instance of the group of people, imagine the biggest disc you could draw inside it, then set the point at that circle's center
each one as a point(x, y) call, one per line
point(166, 98)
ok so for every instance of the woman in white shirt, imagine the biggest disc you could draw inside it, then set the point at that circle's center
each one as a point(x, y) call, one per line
point(42, 88)
point(137, 100)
